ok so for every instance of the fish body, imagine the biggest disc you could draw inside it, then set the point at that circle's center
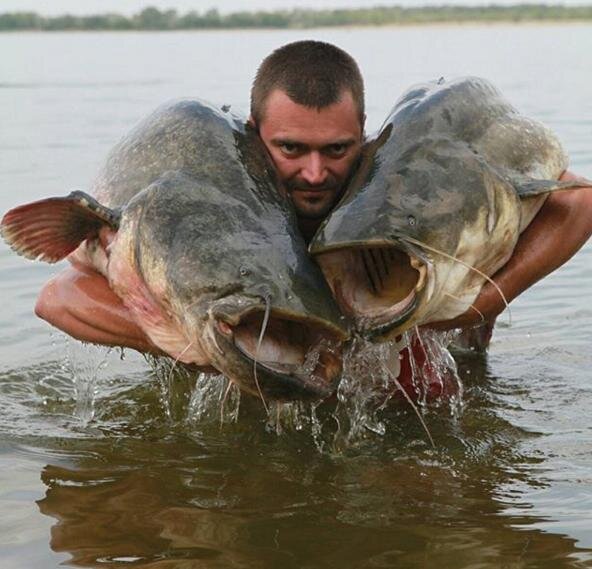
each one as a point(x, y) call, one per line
point(190, 232)
point(443, 191)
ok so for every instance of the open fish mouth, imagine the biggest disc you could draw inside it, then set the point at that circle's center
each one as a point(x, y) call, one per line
point(284, 359)
point(379, 287)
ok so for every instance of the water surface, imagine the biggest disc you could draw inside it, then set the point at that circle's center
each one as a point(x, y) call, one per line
point(106, 462)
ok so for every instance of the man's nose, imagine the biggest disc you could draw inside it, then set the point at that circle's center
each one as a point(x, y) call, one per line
point(314, 171)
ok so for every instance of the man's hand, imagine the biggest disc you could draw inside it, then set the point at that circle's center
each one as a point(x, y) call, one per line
point(79, 302)
point(557, 232)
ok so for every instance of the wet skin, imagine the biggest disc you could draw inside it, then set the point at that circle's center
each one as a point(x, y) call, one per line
point(313, 151)
point(91, 308)
point(202, 247)
point(454, 169)
point(561, 227)
point(558, 231)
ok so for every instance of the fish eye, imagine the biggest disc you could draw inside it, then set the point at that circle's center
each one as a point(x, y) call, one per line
point(244, 272)
point(411, 220)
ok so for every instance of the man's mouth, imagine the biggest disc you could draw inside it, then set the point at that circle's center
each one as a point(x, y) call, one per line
point(312, 191)
point(312, 195)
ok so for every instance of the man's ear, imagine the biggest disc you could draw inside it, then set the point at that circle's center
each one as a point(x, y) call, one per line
point(251, 122)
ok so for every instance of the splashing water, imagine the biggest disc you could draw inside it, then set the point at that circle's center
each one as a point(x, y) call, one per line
point(175, 383)
point(365, 389)
point(374, 375)
point(441, 382)
point(192, 397)
point(313, 354)
point(293, 416)
point(214, 398)
point(84, 363)
point(311, 359)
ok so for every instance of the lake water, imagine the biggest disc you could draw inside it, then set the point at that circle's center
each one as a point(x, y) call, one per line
point(108, 462)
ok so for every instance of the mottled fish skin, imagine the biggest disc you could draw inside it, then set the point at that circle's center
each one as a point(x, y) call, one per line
point(441, 179)
point(200, 245)
point(204, 188)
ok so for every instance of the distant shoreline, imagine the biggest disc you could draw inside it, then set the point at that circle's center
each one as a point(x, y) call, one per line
point(152, 19)
point(451, 23)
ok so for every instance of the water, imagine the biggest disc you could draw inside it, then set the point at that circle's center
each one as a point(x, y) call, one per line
point(111, 461)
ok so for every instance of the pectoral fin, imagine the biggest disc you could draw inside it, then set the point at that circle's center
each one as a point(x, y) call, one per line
point(527, 187)
point(50, 229)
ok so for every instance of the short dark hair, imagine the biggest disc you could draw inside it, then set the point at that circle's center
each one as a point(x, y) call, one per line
point(312, 73)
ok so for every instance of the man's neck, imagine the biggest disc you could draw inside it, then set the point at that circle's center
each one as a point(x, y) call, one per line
point(308, 228)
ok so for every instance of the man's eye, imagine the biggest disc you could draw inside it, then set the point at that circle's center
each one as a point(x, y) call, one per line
point(289, 149)
point(336, 150)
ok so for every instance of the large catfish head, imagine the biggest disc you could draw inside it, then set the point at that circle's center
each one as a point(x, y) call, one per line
point(207, 259)
point(208, 280)
point(412, 240)
point(435, 209)
point(235, 282)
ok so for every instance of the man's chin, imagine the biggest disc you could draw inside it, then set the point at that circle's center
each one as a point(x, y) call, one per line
point(312, 213)
point(308, 210)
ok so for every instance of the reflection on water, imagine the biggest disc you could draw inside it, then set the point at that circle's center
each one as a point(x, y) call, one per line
point(146, 484)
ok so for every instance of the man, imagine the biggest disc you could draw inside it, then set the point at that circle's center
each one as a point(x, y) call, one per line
point(307, 103)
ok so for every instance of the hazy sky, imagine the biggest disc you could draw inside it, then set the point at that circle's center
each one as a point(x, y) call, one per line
point(50, 7)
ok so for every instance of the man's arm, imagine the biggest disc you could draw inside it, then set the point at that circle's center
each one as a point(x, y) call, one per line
point(557, 232)
point(79, 302)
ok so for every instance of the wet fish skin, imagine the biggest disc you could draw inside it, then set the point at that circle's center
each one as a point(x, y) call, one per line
point(200, 242)
point(451, 179)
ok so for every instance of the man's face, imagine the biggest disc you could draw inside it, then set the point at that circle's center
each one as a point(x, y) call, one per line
point(313, 150)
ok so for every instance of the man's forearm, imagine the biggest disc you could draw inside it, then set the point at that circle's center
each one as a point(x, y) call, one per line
point(79, 302)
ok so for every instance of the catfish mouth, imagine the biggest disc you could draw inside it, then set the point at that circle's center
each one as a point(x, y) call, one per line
point(379, 287)
point(295, 359)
